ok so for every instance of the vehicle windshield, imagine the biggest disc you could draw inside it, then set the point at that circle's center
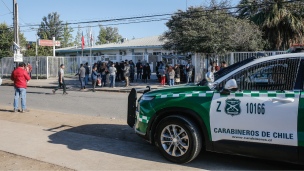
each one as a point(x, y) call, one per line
point(227, 70)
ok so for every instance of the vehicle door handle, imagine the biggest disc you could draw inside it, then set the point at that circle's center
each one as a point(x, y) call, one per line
point(286, 100)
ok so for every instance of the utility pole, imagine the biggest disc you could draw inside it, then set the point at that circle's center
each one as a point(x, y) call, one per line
point(36, 56)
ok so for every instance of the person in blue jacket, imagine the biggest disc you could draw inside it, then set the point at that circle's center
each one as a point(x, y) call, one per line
point(94, 77)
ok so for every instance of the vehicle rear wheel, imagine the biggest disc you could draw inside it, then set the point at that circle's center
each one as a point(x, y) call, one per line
point(178, 139)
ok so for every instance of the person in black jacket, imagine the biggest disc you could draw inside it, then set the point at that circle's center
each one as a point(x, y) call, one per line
point(148, 70)
point(145, 74)
point(122, 66)
point(139, 69)
point(117, 66)
point(177, 74)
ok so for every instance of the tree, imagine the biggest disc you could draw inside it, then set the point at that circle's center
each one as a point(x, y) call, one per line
point(282, 22)
point(108, 34)
point(210, 31)
point(51, 26)
point(67, 36)
point(7, 39)
point(78, 37)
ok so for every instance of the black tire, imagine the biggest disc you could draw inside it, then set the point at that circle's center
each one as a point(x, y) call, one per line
point(194, 138)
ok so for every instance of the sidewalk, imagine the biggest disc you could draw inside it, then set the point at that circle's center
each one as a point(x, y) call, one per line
point(74, 84)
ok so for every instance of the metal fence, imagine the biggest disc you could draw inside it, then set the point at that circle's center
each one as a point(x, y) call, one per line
point(202, 61)
point(48, 66)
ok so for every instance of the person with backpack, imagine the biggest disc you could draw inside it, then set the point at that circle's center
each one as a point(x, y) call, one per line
point(139, 68)
point(103, 72)
point(171, 75)
point(94, 77)
point(189, 69)
point(87, 73)
point(177, 74)
point(126, 72)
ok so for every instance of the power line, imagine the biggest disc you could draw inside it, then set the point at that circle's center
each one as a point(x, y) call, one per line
point(5, 14)
point(160, 15)
point(7, 7)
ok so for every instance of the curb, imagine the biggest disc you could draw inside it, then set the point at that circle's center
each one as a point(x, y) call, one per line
point(90, 89)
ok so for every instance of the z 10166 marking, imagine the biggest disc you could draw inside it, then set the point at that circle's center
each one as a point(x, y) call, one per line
point(254, 108)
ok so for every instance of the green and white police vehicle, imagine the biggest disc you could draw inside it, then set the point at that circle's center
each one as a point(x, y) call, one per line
point(252, 108)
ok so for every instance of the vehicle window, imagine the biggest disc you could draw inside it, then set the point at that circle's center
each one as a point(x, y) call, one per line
point(276, 74)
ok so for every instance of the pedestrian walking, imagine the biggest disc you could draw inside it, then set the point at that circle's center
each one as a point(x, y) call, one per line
point(87, 74)
point(20, 78)
point(162, 73)
point(171, 75)
point(94, 77)
point(139, 68)
point(81, 73)
point(103, 73)
point(189, 69)
point(61, 80)
point(126, 72)
point(177, 74)
point(113, 72)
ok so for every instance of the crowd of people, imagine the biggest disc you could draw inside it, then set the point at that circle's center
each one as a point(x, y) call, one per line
point(214, 68)
point(170, 75)
point(107, 73)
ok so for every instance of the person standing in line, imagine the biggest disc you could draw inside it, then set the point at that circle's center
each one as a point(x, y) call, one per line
point(126, 72)
point(223, 65)
point(162, 73)
point(177, 74)
point(81, 73)
point(61, 80)
point(189, 69)
point(171, 75)
point(148, 71)
point(122, 65)
point(132, 71)
point(87, 73)
point(103, 70)
point(117, 66)
point(139, 69)
point(30, 69)
point(145, 74)
point(113, 72)
point(94, 77)
point(20, 77)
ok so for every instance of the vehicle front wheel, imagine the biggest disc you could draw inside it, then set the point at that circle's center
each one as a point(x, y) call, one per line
point(178, 139)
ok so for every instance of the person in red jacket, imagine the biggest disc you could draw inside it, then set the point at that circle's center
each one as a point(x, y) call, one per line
point(20, 78)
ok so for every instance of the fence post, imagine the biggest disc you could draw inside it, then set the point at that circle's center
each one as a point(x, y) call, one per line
point(47, 67)
point(231, 58)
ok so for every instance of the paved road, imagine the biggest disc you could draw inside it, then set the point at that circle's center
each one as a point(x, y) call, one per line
point(101, 104)
point(111, 105)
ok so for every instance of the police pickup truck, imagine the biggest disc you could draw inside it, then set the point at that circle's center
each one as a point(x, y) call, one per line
point(252, 108)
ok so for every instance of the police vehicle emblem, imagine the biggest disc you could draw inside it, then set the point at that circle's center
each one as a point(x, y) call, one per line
point(233, 107)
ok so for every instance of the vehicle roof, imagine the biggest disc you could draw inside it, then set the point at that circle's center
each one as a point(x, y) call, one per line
point(290, 55)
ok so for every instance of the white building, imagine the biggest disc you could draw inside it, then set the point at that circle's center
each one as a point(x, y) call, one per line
point(125, 49)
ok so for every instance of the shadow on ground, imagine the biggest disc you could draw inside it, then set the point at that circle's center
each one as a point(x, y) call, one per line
point(121, 140)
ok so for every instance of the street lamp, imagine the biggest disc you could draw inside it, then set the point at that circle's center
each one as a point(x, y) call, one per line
point(36, 53)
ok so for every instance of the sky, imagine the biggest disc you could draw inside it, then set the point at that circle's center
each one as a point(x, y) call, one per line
point(32, 12)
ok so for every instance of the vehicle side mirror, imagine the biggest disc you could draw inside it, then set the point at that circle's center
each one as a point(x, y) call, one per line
point(230, 85)
point(210, 77)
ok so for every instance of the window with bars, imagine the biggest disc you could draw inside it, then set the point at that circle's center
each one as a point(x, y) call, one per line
point(279, 74)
